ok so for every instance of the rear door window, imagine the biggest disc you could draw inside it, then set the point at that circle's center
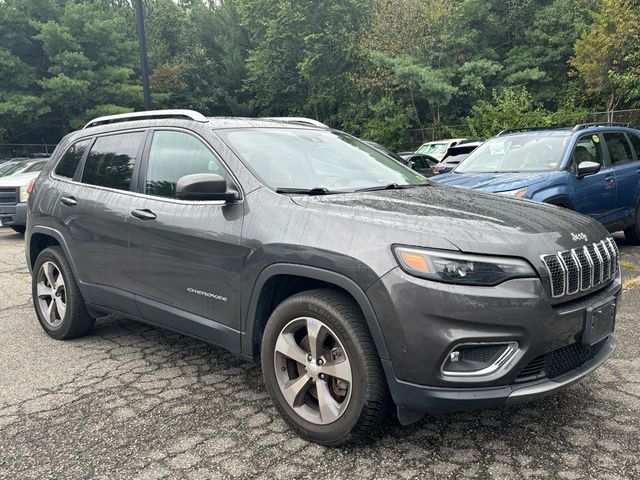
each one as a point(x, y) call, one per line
point(635, 141)
point(173, 155)
point(111, 160)
point(69, 162)
point(619, 148)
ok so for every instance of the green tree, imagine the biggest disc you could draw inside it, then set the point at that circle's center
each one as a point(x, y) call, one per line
point(607, 56)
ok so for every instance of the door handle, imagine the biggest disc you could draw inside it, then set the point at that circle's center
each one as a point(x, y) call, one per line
point(68, 201)
point(144, 214)
point(609, 179)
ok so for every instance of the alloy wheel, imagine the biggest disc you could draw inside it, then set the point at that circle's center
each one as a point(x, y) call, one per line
point(313, 370)
point(52, 298)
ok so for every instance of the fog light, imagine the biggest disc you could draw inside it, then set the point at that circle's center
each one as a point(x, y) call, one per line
point(479, 359)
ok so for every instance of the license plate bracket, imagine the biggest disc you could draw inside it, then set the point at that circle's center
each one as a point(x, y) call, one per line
point(599, 322)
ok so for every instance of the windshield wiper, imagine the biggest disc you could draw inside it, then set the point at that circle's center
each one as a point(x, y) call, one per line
point(392, 186)
point(306, 191)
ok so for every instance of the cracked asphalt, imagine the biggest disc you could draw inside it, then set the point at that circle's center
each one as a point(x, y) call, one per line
point(133, 401)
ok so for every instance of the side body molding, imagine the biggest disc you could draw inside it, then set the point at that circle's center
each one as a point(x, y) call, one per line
point(251, 335)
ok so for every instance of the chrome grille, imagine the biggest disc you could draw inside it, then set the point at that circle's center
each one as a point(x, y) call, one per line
point(582, 268)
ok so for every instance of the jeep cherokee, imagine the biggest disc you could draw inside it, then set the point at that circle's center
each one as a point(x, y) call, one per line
point(355, 281)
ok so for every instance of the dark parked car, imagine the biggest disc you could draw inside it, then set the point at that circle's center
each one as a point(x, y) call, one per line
point(356, 282)
point(423, 164)
point(455, 156)
point(591, 168)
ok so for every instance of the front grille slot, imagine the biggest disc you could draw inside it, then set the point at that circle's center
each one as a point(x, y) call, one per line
point(582, 268)
point(8, 196)
point(556, 274)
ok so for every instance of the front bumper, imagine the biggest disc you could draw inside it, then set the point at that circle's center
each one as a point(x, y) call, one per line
point(422, 321)
point(13, 215)
point(435, 400)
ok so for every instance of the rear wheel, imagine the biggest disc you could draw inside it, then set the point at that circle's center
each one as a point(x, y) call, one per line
point(632, 234)
point(58, 303)
point(321, 368)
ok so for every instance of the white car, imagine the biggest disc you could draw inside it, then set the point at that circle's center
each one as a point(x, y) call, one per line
point(14, 193)
point(438, 149)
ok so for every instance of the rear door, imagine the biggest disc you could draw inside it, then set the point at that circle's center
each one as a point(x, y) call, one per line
point(94, 209)
point(593, 195)
point(627, 170)
point(186, 255)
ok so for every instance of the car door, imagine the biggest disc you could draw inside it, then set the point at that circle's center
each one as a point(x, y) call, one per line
point(627, 170)
point(593, 195)
point(93, 210)
point(186, 255)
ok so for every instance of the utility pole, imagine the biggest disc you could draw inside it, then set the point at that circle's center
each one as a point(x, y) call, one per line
point(142, 45)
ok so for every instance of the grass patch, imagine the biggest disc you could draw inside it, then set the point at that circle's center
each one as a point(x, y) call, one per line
point(630, 283)
point(628, 264)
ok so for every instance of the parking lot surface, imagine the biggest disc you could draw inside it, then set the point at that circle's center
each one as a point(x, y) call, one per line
point(133, 401)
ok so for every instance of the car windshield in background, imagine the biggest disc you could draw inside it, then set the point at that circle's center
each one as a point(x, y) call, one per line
point(516, 154)
point(13, 169)
point(432, 148)
point(322, 160)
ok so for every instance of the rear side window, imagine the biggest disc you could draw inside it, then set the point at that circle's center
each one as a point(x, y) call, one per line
point(174, 155)
point(68, 164)
point(635, 141)
point(619, 148)
point(111, 160)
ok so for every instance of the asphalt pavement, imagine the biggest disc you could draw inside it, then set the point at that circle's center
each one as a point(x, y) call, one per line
point(133, 401)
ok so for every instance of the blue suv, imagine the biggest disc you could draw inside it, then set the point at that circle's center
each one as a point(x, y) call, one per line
point(591, 168)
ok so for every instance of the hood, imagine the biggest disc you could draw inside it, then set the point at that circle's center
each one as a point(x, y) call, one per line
point(441, 217)
point(18, 180)
point(493, 182)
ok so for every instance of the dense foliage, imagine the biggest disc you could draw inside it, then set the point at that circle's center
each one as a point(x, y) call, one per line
point(377, 68)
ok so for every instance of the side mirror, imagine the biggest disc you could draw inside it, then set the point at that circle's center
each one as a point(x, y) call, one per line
point(588, 168)
point(204, 186)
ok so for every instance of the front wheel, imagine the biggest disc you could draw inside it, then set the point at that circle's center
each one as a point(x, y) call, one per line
point(321, 368)
point(19, 229)
point(632, 234)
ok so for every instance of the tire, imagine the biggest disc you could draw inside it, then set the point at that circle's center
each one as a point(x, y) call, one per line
point(355, 399)
point(632, 234)
point(50, 295)
point(19, 229)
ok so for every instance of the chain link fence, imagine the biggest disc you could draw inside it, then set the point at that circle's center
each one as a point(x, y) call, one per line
point(439, 132)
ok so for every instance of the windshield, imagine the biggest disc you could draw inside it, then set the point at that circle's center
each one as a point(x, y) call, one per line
point(516, 154)
point(316, 159)
point(428, 148)
point(13, 169)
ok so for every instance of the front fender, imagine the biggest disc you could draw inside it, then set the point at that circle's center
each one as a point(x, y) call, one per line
point(554, 194)
point(314, 273)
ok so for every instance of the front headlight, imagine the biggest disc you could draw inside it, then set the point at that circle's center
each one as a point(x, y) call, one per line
point(24, 194)
point(461, 268)
point(519, 193)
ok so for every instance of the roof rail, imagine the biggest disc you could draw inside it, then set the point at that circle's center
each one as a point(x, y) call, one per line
point(526, 129)
point(147, 115)
point(299, 120)
point(582, 126)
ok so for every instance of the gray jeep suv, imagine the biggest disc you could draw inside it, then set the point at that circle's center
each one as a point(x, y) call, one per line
point(354, 280)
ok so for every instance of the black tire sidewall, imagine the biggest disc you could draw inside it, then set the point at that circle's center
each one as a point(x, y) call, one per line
point(339, 430)
point(55, 255)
